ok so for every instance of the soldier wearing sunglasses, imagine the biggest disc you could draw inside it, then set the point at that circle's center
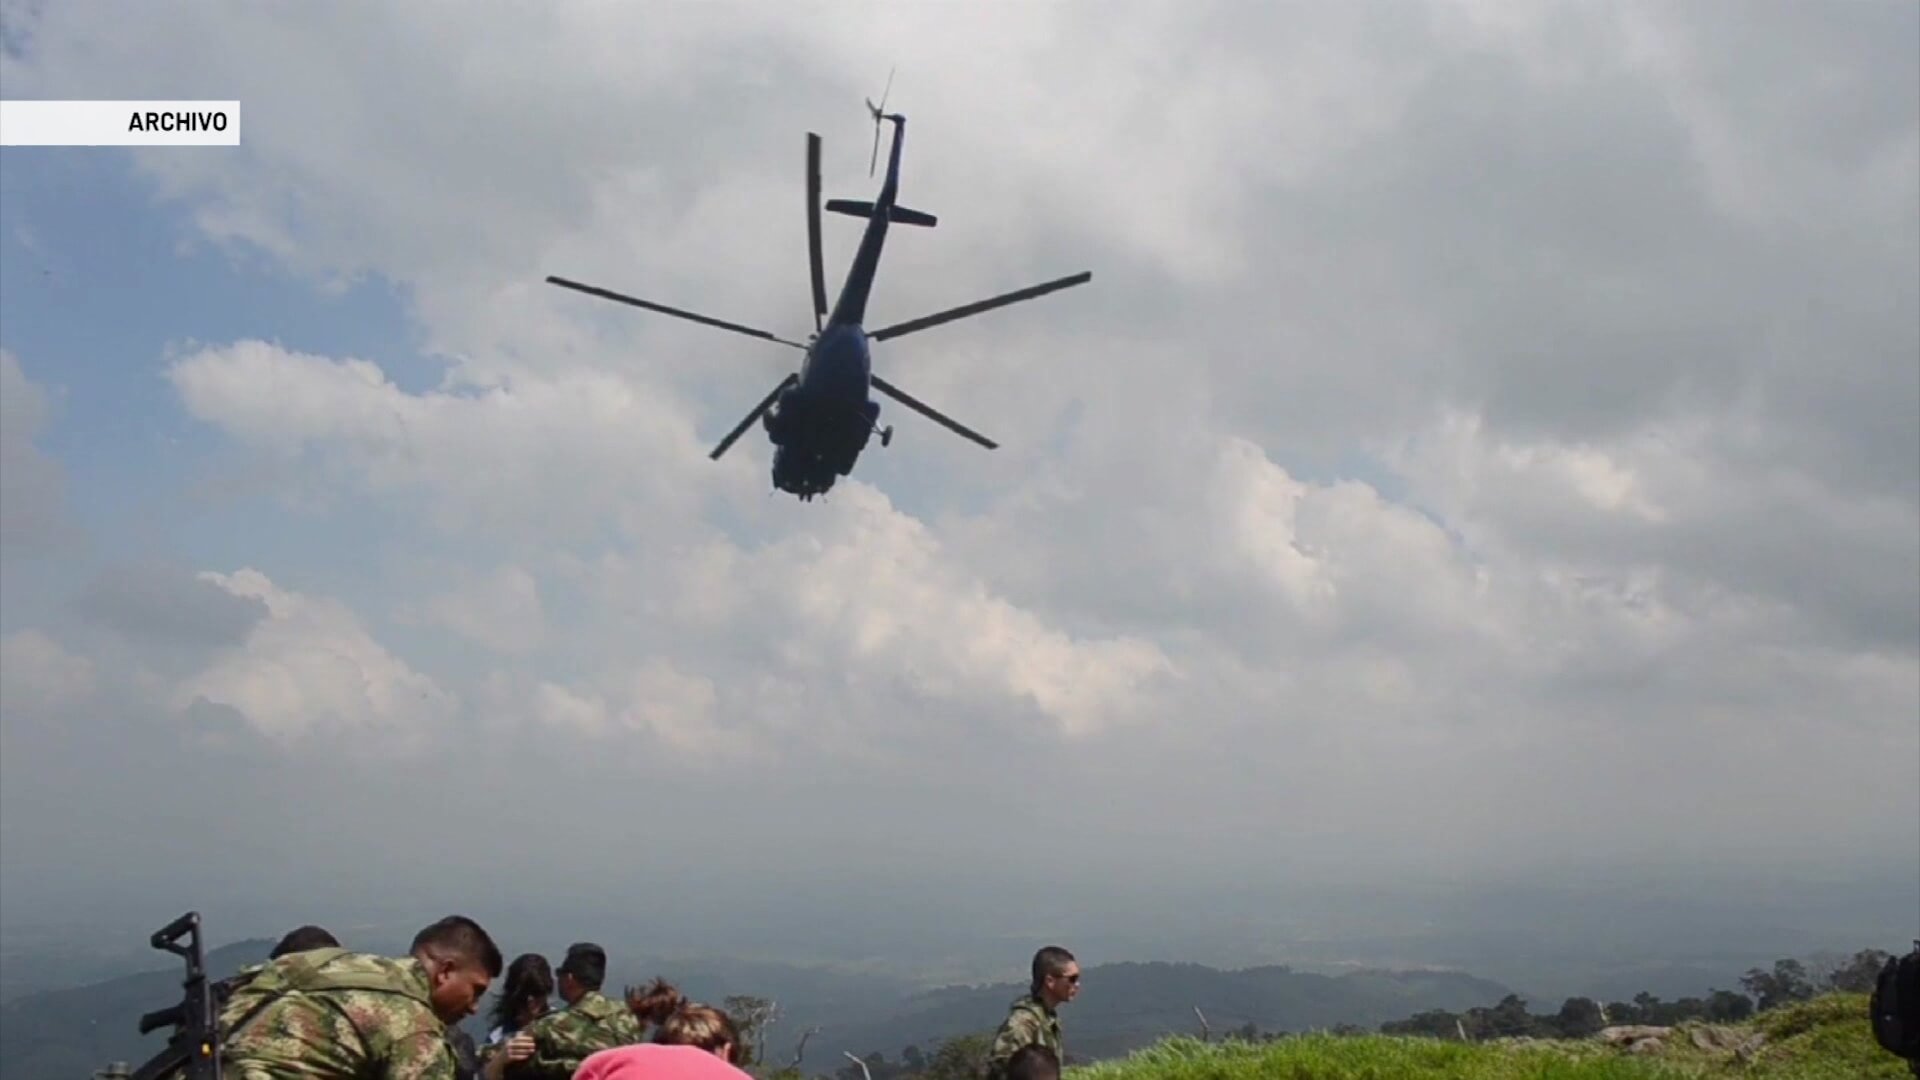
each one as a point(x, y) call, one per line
point(1034, 1019)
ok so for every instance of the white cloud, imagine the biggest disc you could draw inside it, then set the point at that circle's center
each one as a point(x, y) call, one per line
point(555, 455)
point(558, 707)
point(309, 670)
point(32, 485)
point(501, 611)
point(1684, 504)
point(667, 710)
point(872, 584)
point(879, 588)
point(42, 677)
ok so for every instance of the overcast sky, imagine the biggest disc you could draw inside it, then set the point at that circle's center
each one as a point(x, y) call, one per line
point(1488, 450)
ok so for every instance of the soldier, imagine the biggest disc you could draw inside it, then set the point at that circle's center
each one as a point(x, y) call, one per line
point(330, 1014)
point(302, 938)
point(1893, 1008)
point(299, 939)
point(590, 1022)
point(118, 1070)
point(1034, 1019)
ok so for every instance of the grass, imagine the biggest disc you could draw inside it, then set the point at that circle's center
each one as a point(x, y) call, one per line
point(1828, 1038)
point(1824, 1039)
point(1373, 1057)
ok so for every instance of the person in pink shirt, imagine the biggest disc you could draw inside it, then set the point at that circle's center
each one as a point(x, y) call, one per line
point(697, 1042)
point(657, 1061)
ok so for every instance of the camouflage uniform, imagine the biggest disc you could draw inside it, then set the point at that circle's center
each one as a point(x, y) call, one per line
point(562, 1040)
point(329, 1014)
point(1027, 1023)
point(225, 989)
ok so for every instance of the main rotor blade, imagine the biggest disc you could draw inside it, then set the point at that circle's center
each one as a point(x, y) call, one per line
point(813, 229)
point(928, 411)
point(609, 294)
point(976, 308)
point(765, 404)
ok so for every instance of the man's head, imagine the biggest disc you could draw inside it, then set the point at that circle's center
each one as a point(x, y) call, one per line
point(1033, 1062)
point(1056, 976)
point(582, 972)
point(460, 961)
point(303, 939)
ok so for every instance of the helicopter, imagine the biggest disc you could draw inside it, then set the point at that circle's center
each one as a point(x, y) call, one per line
point(821, 417)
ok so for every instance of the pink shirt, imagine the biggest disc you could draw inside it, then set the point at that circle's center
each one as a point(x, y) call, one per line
point(656, 1061)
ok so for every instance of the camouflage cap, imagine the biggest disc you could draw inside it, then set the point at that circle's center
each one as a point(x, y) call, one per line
point(117, 1070)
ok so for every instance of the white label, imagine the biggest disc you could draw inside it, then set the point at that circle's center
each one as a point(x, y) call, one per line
point(119, 123)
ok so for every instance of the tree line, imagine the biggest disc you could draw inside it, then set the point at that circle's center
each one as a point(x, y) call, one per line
point(1579, 1017)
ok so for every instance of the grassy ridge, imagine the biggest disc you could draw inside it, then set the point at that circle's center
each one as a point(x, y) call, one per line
point(1824, 1039)
point(1828, 1038)
point(1372, 1057)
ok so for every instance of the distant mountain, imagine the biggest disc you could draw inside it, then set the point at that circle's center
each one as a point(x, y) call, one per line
point(1123, 1007)
point(38, 968)
point(63, 1034)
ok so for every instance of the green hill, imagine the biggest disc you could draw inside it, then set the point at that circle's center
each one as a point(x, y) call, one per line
point(1824, 1039)
point(71, 1032)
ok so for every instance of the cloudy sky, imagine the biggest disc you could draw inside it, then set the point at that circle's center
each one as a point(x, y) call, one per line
point(1487, 453)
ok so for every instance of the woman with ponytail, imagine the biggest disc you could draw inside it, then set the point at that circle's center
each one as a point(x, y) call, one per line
point(524, 995)
point(694, 1042)
point(652, 1005)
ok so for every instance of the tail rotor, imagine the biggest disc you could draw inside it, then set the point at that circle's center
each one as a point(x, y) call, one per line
point(878, 112)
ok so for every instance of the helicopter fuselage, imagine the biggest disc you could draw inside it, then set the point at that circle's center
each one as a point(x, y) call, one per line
point(820, 424)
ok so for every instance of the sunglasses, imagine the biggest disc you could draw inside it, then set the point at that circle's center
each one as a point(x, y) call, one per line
point(1073, 978)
